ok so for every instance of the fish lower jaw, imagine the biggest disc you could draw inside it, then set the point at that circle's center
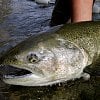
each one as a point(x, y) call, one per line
point(34, 80)
point(24, 80)
point(31, 82)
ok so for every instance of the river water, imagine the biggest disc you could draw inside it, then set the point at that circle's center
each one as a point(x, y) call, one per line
point(20, 19)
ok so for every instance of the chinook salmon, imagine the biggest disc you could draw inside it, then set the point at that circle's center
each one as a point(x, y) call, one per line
point(53, 57)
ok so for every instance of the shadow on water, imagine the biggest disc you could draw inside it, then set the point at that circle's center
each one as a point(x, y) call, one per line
point(20, 19)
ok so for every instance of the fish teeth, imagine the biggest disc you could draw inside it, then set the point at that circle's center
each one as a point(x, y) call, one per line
point(59, 84)
point(8, 76)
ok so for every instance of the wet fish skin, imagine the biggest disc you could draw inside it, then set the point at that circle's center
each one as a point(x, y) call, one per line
point(55, 57)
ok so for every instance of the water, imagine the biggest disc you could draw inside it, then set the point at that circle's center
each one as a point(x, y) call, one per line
point(20, 19)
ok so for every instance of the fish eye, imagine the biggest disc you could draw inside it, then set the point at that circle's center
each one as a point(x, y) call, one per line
point(32, 58)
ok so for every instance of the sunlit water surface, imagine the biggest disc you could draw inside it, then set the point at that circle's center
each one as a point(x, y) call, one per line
point(20, 19)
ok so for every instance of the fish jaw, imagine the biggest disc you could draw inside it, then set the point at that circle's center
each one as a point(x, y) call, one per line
point(35, 80)
point(30, 80)
point(26, 80)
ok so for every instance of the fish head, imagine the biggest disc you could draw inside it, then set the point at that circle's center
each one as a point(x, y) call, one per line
point(38, 60)
point(48, 60)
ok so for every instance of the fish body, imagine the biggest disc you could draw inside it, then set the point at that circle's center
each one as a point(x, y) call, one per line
point(54, 57)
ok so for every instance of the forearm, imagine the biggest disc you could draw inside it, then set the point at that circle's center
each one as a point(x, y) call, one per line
point(81, 10)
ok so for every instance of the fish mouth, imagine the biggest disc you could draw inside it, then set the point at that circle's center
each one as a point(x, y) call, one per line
point(22, 77)
point(19, 73)
point(27, 78)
